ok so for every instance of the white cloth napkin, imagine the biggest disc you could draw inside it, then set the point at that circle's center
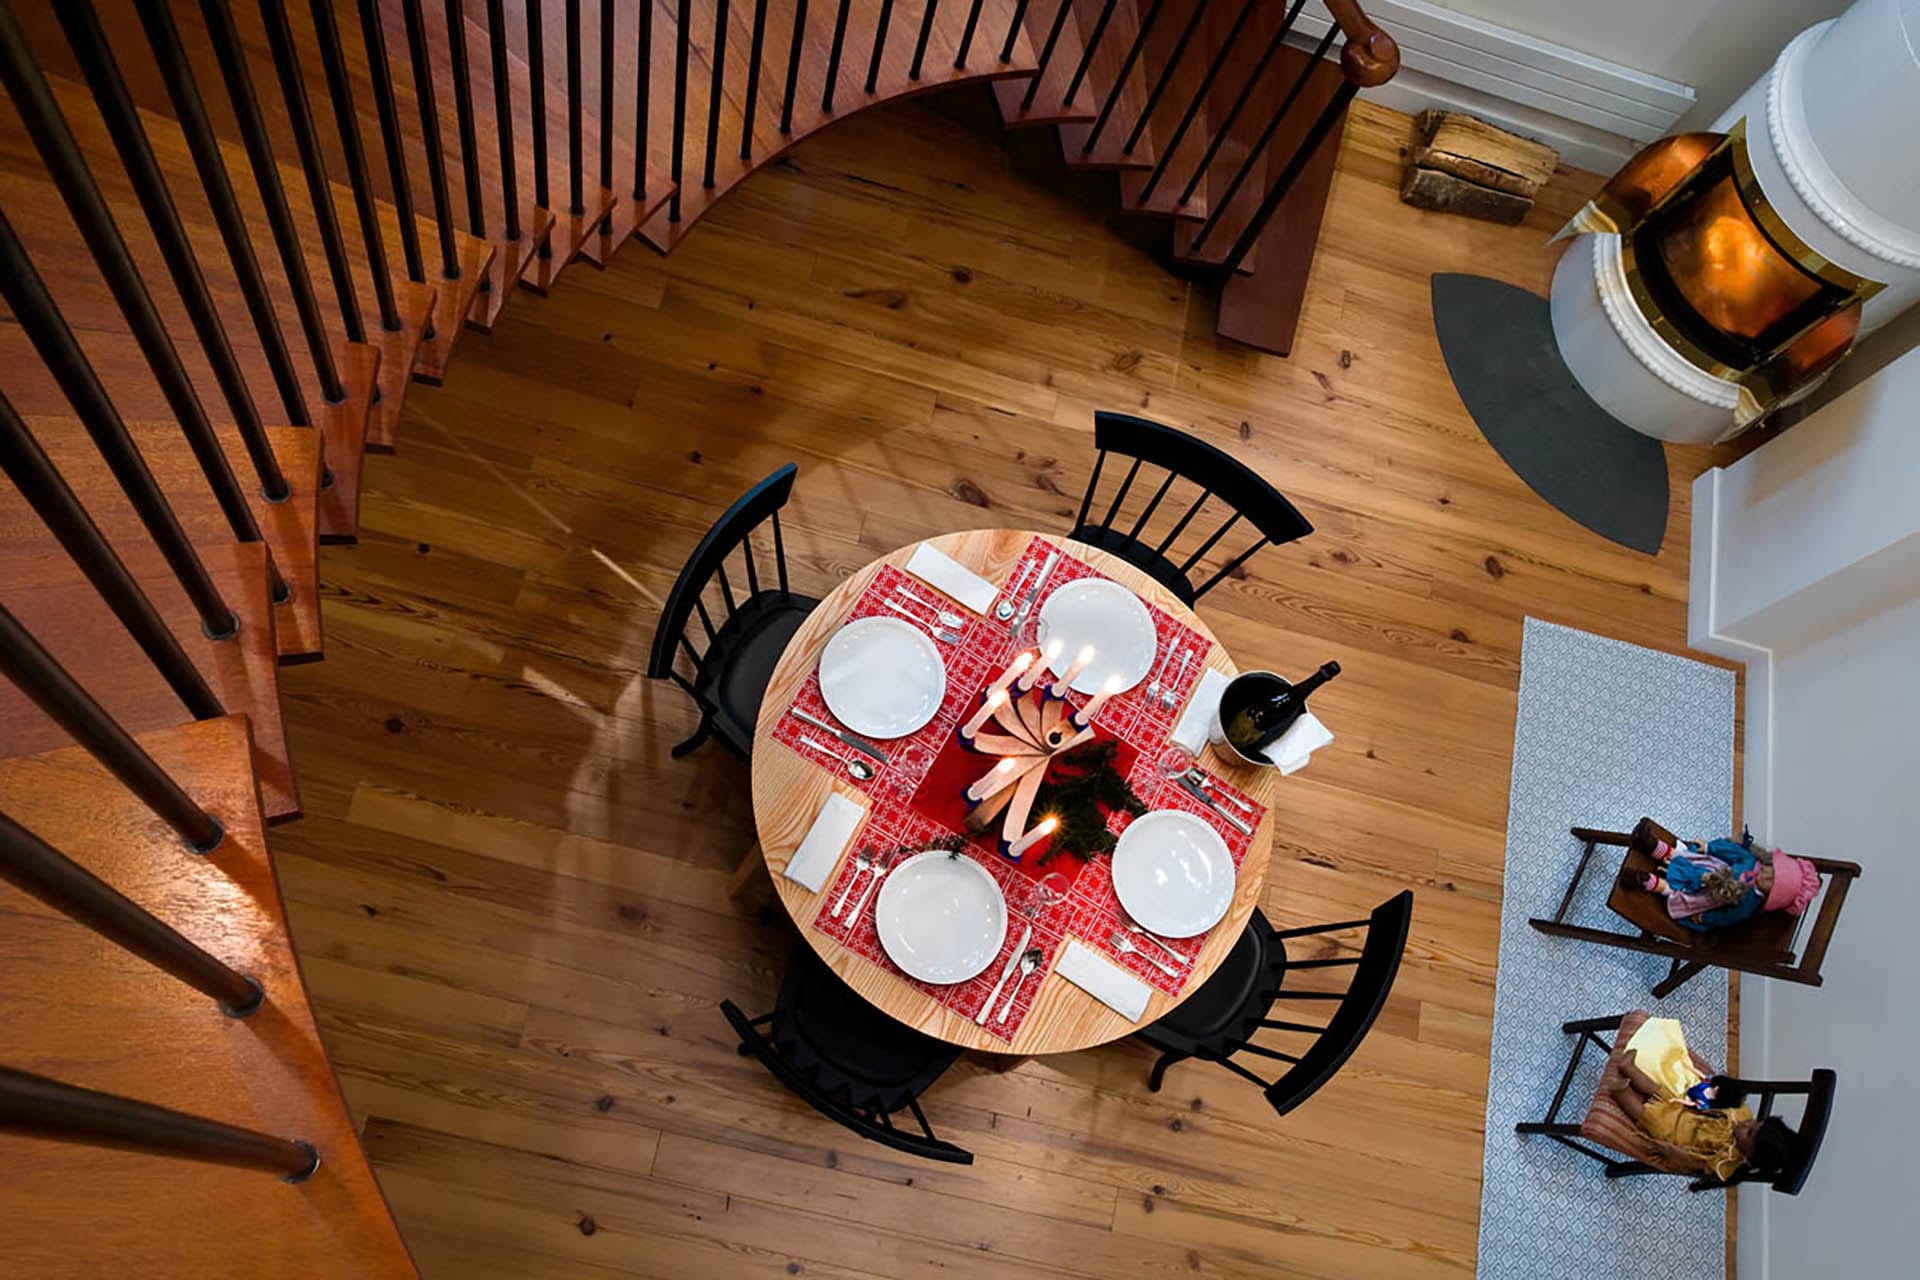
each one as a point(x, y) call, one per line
point(936, 568)
point(1296, 746)
point(1105, 981)
point(813, 862)
point(1197, 719)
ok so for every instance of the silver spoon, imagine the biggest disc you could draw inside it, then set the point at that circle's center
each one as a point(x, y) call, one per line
point(1028, 963)
point(862, 863)
point(857, 769)
point(947, 617)
point(1167, 697)
point(1125, 946)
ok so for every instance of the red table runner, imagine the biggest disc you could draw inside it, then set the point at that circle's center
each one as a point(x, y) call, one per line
point(898, 825)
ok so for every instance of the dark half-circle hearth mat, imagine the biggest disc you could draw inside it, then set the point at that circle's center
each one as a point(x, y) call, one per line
point(1593, 468)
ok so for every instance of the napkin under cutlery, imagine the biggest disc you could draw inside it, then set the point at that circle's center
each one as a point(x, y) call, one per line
point(938, 569)
point(1105, 981)
point(1296, 746)
point(813, 862)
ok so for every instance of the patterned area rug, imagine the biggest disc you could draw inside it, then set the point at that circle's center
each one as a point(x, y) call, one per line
point(1607, 732)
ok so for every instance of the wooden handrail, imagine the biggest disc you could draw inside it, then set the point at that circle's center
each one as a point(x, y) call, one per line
point(1370, 56)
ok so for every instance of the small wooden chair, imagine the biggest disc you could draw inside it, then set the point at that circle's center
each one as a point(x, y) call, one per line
point(1763, 944)
point(1607, 1125)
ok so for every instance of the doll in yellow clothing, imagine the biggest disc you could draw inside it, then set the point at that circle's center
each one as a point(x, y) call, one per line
point(1720, 1139)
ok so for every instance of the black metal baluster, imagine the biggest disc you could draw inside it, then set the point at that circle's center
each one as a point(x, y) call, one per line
point(1166, 77)
point(190, 110)
point(607, 33)
point(1013, 29)
point(1316, 136)
point(43, 1108)
point(642, 93)
point(576, 161)
point(680, 39)
point(35, 312)
point(1245, 95)
point(1218, 207)
point(966, 34)
point(1187, 117)
point(1127, 65)
point(293, 92)
point(89, 42)
point(60, 509)
point(1046, 53)
point(61, 154)
point(879, 44)
point(38, 869)
point(463, 118)
point(430, 135)
point(503, 114)
point(38, 675)
point(266, 177)
point(920, 41)
point(1086, 55)
point(537, 86)
point(381, 72)
point(346, 121)
point(793, 64)
point(716, 86)
point(833, 56)
point(756, 50)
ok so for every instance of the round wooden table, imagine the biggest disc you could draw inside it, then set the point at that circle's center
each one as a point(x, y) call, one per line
point(788, 791)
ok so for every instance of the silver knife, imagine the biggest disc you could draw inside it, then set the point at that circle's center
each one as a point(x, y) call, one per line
point(980, 1018)
point(1033, 592)
point(853, 740)
point(1199, 793)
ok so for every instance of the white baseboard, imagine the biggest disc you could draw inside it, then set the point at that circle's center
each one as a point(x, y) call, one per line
point(1594, 112)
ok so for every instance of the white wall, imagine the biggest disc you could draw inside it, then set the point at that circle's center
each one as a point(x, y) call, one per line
point(1717, 46)
point(1806, 565)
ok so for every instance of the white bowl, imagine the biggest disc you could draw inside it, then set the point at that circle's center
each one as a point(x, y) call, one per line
point(1104, 614)
point(882, 677)
point(941, 917)
point(1173, 873)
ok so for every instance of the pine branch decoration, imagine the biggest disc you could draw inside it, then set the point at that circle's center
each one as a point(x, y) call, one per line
point(1081, 788)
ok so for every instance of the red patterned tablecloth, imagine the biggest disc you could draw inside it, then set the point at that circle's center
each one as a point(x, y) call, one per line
point(897, 826)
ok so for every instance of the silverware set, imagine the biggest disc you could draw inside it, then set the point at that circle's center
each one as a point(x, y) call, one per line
point(1033, 592)
point(1029, 961)
point(947, 617)
point(864, 863)
point(1140, 932)
point(853, 740)
point(1013, 961)
point(859, 770)
point(1212, 788)
point(1162, 691)
point(1123, 943)
point(1200, 789)
point(938, 632)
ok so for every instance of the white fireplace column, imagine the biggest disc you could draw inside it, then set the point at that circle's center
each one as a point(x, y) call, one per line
point(1833, 134)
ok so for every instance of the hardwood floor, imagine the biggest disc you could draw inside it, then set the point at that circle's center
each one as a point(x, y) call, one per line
point(511, 904)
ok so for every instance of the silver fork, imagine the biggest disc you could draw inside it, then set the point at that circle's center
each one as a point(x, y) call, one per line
point(862, 864)
point(940, 633)
point(1125, 946)
point(1167, 697)
point(1153, 689)
point(1156, 940)
point(947, 617)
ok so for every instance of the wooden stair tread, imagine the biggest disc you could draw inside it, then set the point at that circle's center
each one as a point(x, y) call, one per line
point(419, 309)
point(1049, 98)
point(567, 239)
point(64, 613)
point(83, 1011)
point(1104, 79)
point(511, 260)
point(344, 428)
point(290, 528)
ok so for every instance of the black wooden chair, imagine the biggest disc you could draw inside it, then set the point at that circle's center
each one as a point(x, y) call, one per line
point(1217, 1023)
point(1607, 1125)
point(1229, 483)
point(846, 1059)
point(730, 674)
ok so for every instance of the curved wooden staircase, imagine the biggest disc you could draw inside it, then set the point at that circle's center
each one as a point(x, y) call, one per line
point(232, 234)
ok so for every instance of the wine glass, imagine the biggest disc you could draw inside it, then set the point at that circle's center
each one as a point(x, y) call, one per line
point(1175, 761)
point(1046, 893)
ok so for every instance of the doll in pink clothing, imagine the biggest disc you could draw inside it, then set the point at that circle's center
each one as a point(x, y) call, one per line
point(1723, 882)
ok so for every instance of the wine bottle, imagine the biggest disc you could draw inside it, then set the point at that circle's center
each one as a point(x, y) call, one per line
point(1258, 725)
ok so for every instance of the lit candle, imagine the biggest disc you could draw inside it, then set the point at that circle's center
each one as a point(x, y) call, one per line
point(991, 781)
point(995, 700)
point(1084, 716)
point(1048, 656)
point(1041, 831)
point(1065, 682)
point(1019, 668)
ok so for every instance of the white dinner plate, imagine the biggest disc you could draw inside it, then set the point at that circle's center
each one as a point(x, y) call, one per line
point(1173, 874)
point(1104, 614)
point(941, 917)
point(882, 677)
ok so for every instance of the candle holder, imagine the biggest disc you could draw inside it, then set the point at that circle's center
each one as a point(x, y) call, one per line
point(1031, 732)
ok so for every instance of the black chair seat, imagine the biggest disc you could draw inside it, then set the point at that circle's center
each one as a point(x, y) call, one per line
point(850, 1049)
point(1138, 554)
point(1229, 1005)
point(742, 657)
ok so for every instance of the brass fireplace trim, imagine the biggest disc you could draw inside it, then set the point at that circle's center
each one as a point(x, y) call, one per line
point(1804, 255)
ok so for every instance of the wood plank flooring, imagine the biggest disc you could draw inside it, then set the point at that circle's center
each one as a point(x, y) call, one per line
point(511, 903)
